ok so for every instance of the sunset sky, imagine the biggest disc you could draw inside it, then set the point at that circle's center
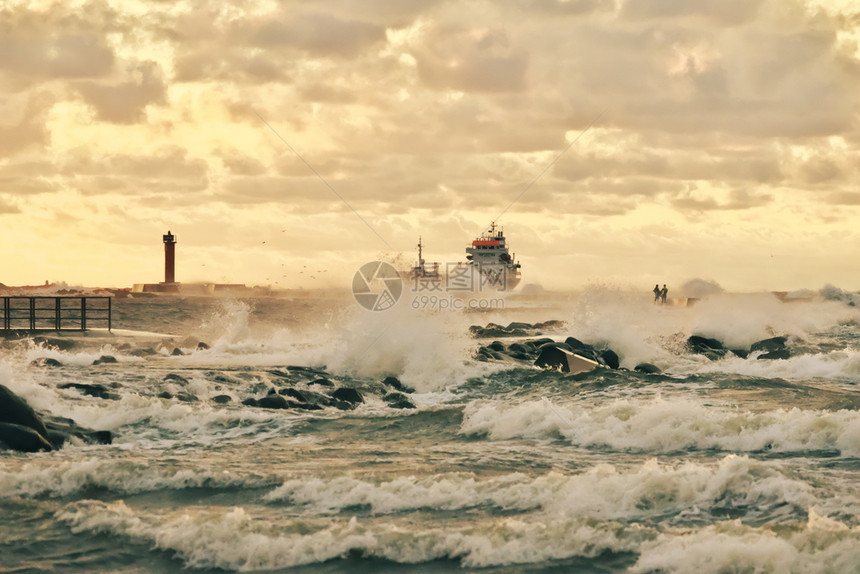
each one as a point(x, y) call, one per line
point(725, 144)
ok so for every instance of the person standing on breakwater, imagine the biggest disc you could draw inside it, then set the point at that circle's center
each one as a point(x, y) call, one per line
point(657, 292)
point(663, 293)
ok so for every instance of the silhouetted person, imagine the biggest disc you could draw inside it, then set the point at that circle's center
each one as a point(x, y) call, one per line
point(663, 293)
point(657, 293)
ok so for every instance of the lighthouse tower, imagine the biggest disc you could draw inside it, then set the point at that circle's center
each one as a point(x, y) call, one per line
point(169, 258)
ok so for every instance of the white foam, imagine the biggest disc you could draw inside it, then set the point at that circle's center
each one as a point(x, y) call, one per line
point(234, 540)
point(734, 547)
point(667, 425)
point(647, 490)
point(120, 476)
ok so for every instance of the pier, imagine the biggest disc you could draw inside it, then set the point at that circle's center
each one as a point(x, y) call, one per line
point(43, 313)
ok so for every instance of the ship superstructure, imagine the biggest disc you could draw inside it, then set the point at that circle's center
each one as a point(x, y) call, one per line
point(489, 266)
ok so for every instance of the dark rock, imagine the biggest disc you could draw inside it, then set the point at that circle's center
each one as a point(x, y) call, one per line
point(303, 406)
point(45, 362)
point(520, 348)
point(176, 378)
point(710, 348)
point(497, 346)
point(395, 383)
point(273, 402)
point(146, 352)
point(61, 428)
point(186, 397)
point(537, 343)
point(742, 353)
point(294, 393)
point(610, 359)
point(398, 401)
point(576, 345)
point(23, 438)
point(201, 346)
point(177, 352)
point(251, 402)
point(556, 358)
point(105, 359)
point(61, 344)
point(348, 394)
point(780, 354)
point(519, 325)
point(343, 405)
point(322, 382)
point(222, 399)
point(165, 395)
point(647, 368)
point(14, 410)
point(92, 390)
point(772, 344)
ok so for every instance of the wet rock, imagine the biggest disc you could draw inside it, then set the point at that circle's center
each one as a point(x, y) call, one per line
point(275, 401)
point(553, 357)
point(497, 346)
point(773, 355)
point(61, 344)
point(165, 395)
point(145, 352)
point(710, 348)
point(45, 362)
point(186, 397)
point(177, 352)
point(322, 382)
point(251, 402)
point(105, 359)
point(303, 406)
point(395, 383)
point(93, 390)
point(201, 346)
point(294, 393)
point(398, 401)
point(610, 359)
point(648, 368)
point(768, 345)
point(14, 410)
point(349, 395)
point(23, 438)
point(60, 429)
point(222, 399)
point(179, 379)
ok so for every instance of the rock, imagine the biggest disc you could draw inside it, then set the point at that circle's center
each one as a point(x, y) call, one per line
point(186, 397)
point(23, 438)
point(201, 346)
point(322, 382)
point(610, 359)
point(780, 354)
point(497, 346)
point(222, 399)
point(165, 395)
point(647, 368)
point(711, 348)
point(275, 401)
point(176, 378)
point(177, 352)
point(395, 383)
point(61, 428)
point(303, 406)
point(14, 410)
point(145, 352)
point(742, 353)
point(398, 401)
point(45, 362)
point(61, 344)
point(251, 402)
point(92, 390)
point(556, 358)
point(294, 393)
point(105, 359)
point(348, 394)
point(772, 344)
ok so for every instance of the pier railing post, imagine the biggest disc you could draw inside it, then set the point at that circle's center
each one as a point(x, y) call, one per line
point(83, 313)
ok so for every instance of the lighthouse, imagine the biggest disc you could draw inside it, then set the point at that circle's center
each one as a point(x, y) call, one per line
point(169, 258)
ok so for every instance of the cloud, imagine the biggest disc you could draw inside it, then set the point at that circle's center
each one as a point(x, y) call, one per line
point(125, 102)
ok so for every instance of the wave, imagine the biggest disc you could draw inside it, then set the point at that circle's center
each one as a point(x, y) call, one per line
point(648, 491)
point(668, 425)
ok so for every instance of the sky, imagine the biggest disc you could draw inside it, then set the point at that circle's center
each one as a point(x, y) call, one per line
point(618, 142)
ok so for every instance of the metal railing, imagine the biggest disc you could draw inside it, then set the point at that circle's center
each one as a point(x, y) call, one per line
point(44, 313)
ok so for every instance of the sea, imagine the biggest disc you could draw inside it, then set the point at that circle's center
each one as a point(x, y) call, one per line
point(727, 465)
